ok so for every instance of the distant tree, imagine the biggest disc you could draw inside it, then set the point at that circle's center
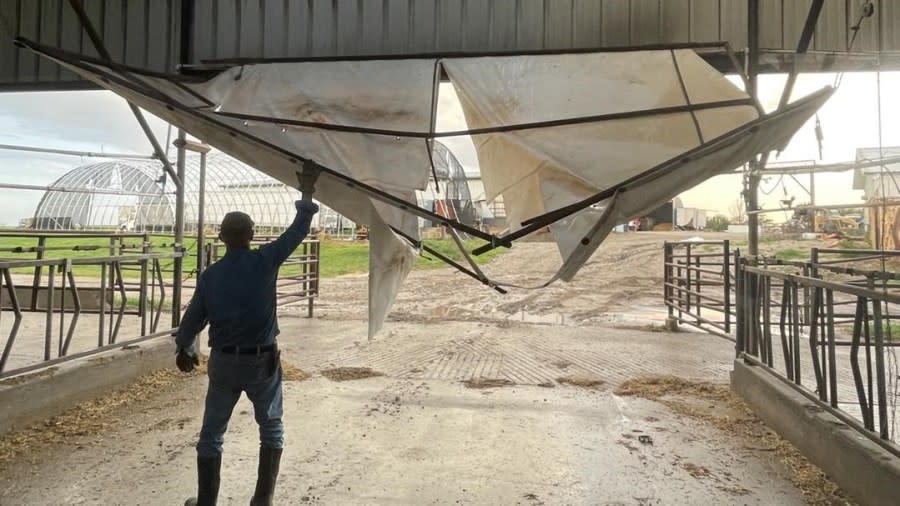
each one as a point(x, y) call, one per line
point(718, 223)
point(738, 211)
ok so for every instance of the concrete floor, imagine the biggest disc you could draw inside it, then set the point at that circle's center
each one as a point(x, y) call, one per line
point(418, 436)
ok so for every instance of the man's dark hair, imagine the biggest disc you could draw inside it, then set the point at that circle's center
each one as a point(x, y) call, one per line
point(236, 230)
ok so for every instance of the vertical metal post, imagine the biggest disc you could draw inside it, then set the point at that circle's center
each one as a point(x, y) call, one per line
point(667, 278)
point(179, 231)
point(142, 298)
point(48, 324)
point(738, 301)
point(102, 313)
point(36, 282)
point(753, 178)
point(812, 200)
point(726, 272)
point(201, 224)
point(687, 273)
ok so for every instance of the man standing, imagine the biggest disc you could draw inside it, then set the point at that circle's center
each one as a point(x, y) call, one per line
point(236, 297)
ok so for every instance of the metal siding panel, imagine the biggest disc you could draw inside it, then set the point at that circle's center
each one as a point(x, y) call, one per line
point(324, 27)
point(114, 29)
point(70, 31)
point(347, 25)
point(28, 27)
point(398, 35)
point(503, 24)
point(422, 31)
point(373, 22)
point(204, 23)
point(771, 24)
point(159, 36)
point(705, 21)
point(588, 21)
point(795, 13)
point(530, 24)
point(8, 51)
point(676, 20)
point(299, 27)
point(449, 25)
point(645, 22)
point(274, 19)
point(476, 24)
point(250, 22)
point(135, 34)
point(831, 30)
point(49, 34)
point(226, 29)
point(867, 39)
point(616, 29)
point(890, 26)
point(558, 32)
point(734, 22)
point(94, 10)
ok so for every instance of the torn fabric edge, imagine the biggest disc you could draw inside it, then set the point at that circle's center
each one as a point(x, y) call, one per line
point(726, 152)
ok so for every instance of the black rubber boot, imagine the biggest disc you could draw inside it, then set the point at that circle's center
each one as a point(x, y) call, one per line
point(269, 460)
point(207, 482)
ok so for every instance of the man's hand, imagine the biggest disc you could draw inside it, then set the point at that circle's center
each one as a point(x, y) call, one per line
point(307, 179)
point(185, 361)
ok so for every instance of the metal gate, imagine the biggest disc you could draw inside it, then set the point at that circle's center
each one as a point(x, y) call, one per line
point(698, 285)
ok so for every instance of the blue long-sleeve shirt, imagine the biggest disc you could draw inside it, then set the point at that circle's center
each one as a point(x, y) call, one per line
point(236, 295)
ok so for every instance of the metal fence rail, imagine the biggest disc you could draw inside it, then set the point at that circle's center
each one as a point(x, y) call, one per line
point(843, 359)
point(697, 286)
point(822, 325)
point(61, 293)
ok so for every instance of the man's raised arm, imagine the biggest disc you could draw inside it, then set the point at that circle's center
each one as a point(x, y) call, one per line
point(280, 249)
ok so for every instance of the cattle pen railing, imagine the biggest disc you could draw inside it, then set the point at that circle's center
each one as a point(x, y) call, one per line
point(79, 303)
point(698, 285)
point(57, 301)
point(826, 326)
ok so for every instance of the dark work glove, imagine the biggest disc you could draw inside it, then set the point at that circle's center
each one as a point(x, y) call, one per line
point(185, 361)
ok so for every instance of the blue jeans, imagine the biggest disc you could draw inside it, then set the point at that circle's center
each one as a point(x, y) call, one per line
point(229, 375)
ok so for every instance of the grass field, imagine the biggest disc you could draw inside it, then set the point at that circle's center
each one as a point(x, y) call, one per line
point(337, 257)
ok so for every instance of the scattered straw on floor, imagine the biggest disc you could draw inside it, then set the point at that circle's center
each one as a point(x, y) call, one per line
point(292, 372)
point(91, 417)
point(350, 373)
point(487, 383)
point(579, 380)
point(716, 404)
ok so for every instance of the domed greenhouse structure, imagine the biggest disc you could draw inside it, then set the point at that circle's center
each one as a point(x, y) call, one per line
point(135, 196)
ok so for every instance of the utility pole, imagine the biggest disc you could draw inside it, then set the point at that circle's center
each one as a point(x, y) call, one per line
point(752, 179)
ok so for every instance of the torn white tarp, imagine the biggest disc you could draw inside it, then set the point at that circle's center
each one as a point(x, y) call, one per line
point(541, 169)
point(593, 138)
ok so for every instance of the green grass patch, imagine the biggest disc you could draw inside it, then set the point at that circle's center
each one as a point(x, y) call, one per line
point(792, 254)
point(337, 257)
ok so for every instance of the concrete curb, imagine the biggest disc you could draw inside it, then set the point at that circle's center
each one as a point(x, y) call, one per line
point(865, 470)
point(36, 396)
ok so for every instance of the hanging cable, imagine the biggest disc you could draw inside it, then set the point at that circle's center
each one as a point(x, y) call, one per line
point(866, 10)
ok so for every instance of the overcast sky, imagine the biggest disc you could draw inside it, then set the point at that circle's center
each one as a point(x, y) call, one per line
point(100, 121)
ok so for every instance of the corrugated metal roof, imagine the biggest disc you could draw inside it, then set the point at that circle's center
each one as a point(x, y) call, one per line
point(144, 33)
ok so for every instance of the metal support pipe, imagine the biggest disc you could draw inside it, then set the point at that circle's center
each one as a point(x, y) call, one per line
point(201, 223)
point(89, 154)
point(178, 265)
point(753, 177)
point(802, 46)
point(101, 50)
